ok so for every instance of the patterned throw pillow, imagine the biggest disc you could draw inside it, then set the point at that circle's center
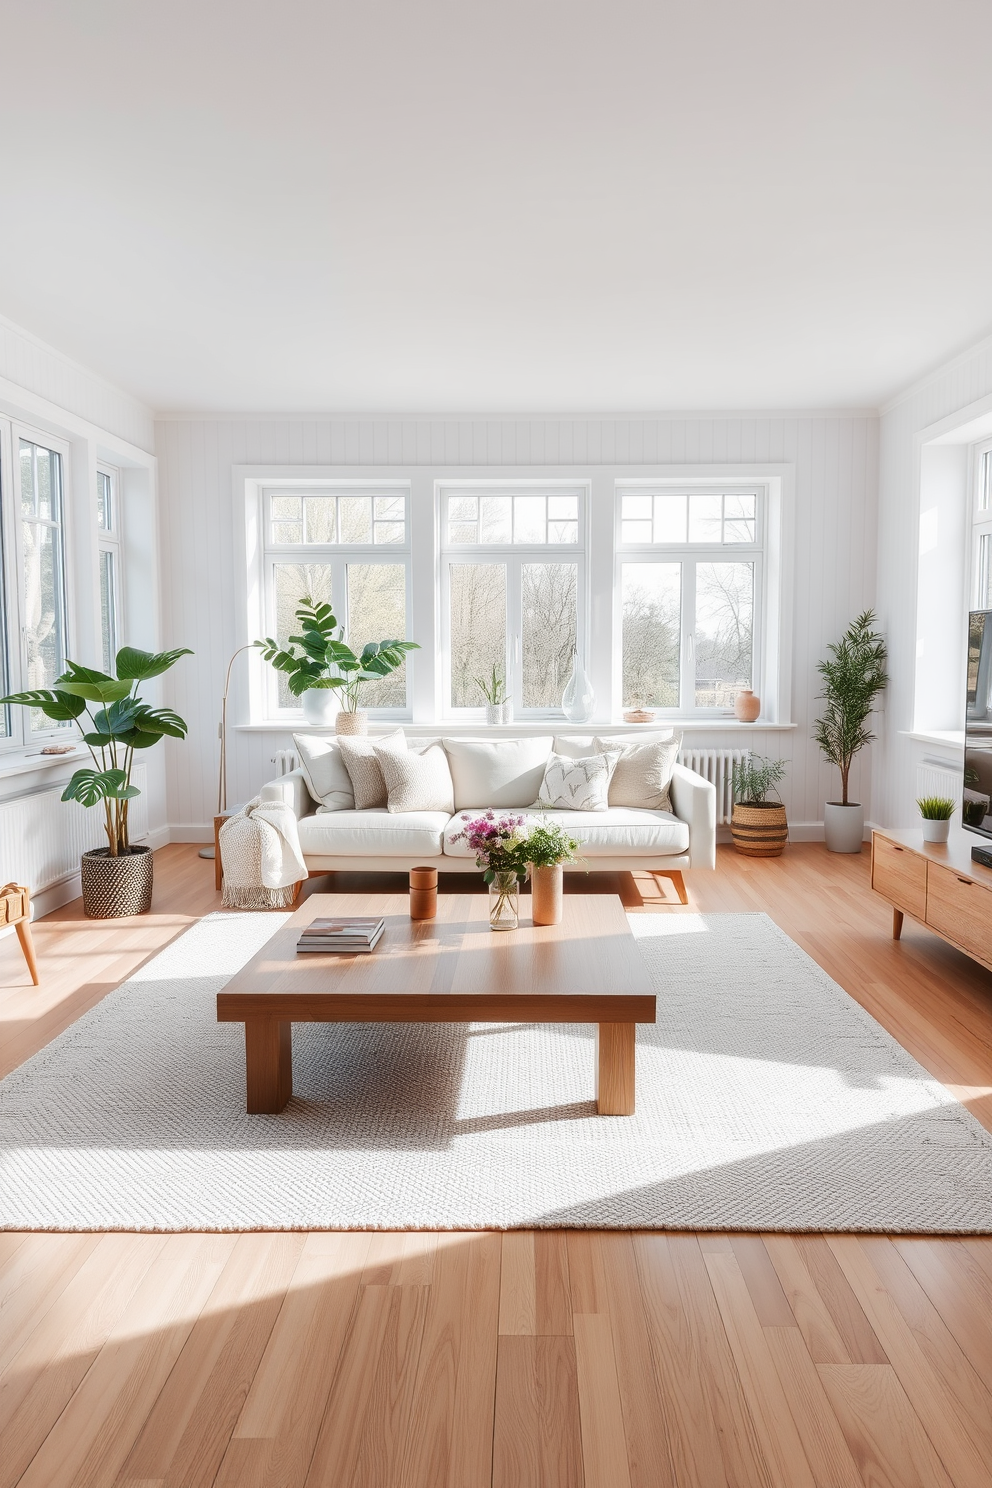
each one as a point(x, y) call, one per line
point(643, 775)
point(364, 769)
point(578, 784)
point(417, 780)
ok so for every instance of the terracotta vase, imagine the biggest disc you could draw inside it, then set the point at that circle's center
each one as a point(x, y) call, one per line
point(546, 885)
point(746, 706)
point(351, 723)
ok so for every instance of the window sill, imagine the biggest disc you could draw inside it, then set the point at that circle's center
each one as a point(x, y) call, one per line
point(530, 726)
point(28, 761)
point(947, 738)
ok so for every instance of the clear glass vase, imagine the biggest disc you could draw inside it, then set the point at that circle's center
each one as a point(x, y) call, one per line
point(578, 699)
point(504, 902)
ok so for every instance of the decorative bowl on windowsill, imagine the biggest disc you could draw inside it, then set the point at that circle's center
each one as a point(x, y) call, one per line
point(638, 715)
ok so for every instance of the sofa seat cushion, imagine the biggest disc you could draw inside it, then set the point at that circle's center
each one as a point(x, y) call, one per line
point(375, 833)
point(618, 832)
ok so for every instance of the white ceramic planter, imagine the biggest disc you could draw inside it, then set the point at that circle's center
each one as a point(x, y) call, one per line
point(935, 831)
point(843, 827)
point(320, 706)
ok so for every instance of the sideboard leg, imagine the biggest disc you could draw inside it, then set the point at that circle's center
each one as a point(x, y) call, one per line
point(615, 1069)
point(896, 924)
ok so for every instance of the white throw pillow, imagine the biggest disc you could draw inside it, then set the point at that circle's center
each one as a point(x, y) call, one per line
point(643, 775)
point(499, 773)
point(581, 746)
point(578, 784)
point(416, 779)
point(324, 771)
point(367, 779)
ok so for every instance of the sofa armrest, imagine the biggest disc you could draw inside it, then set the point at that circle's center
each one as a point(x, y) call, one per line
point(694, 802)
point(291, 789)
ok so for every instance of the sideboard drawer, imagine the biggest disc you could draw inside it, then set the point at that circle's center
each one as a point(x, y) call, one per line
point(899, 875)
point(960, 909)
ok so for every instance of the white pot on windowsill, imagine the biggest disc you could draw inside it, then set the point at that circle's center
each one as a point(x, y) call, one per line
point(320, 706)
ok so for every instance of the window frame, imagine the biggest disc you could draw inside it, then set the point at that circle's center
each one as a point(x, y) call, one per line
point(689, 555)
point(336, 556)
point(980, 529)
point(110, 540)
point(515, 556)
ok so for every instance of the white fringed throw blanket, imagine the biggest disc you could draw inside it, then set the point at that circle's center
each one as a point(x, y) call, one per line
point(260, 851)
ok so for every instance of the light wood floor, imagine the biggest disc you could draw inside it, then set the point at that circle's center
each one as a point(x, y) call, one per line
point(581, 1358)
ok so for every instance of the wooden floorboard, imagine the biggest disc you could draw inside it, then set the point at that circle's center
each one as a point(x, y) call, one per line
point(548, 1359)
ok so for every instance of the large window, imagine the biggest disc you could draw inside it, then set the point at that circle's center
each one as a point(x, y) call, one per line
point(982, 533)
point(348, 545)
point(513, 579)
point(688, 583)
point(43, 626)
point(108, 524)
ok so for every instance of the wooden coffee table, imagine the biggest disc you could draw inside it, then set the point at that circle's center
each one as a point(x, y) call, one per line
point(453, 969)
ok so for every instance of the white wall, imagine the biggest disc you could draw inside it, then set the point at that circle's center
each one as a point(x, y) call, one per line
point(835, 465)
point(920, 475)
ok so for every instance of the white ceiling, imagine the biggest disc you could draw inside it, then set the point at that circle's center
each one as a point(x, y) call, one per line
point(512, 205)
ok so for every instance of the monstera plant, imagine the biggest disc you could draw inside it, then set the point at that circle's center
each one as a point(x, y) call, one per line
point(326, 662)
point(114, 722)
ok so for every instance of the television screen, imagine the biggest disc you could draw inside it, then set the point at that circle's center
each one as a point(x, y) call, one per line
point(976, 801)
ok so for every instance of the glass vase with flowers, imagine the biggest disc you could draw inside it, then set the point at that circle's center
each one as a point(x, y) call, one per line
point(497, 840)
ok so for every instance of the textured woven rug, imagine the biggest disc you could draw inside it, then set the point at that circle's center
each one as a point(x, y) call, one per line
point(766, 1099)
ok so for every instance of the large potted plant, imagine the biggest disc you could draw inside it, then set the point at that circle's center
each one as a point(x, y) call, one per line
point(853, 676)
point(114, 722)
point(326, 663)
point(758, 826)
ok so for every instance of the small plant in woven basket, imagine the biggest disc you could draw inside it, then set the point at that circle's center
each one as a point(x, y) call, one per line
point(758, 826)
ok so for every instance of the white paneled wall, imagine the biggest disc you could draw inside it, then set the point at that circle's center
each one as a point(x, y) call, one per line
point(950, 390)
point(835, 462)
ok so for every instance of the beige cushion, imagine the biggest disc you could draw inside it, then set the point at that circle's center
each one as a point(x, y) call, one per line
point(619, 832)
point(499, 773)
point(581, 746)
point(578, 784)
point(416, 780)
point(643, 775)
point(324, 771)
point(375, 834)
point(364, 770)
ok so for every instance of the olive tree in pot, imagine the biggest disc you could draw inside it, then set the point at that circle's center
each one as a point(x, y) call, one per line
point(853, 676)
point(758, 826)
point(117, 879)
point(327, 664)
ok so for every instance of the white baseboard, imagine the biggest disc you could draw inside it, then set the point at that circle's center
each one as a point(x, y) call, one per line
point(191, 832)
point(813, 831)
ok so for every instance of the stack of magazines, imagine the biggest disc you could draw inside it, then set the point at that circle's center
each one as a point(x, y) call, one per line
point(344, 937)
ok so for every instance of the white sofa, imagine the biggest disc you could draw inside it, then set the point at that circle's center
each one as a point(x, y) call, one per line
point(621, 837)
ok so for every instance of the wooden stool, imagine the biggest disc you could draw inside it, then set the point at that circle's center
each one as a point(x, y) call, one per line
point(15, 909)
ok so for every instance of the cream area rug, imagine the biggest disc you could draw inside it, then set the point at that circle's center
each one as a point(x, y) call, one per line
point(766, 1099)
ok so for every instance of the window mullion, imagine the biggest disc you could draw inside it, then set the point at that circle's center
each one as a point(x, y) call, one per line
point(687, 700)
point(514, 631)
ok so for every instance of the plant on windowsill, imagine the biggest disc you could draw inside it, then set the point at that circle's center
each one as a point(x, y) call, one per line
point(326, 664)
point(758, 826)
point(546, 849)
point(117, 879)
point(936, 812)
point(493, 689)
point(853, 676)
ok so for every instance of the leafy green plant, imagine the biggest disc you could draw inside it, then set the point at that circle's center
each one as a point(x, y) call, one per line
point(754, 776)
point(493, 688)
point(115, 727)
point(936, 808)
point(548, 844)
point(853, 676)
point(326, 660)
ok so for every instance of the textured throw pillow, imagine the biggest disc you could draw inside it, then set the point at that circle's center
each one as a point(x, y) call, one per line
point(416, 779)
point(364, 770)
point(578, 784)
point(324, 772)
point(643, 775)
point(498, 773)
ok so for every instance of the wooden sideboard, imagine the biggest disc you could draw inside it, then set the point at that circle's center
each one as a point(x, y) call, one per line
point(938, 884)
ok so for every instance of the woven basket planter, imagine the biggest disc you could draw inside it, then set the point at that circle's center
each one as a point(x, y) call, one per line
point(759, 829)
point(113, 887)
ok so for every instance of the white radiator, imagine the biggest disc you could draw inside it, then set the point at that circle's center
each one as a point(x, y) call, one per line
point(715, 765)
point(43, 837)
point(935, 777)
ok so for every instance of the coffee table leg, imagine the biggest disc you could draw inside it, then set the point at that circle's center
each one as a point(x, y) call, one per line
point(268, 1064)
point(615, 1069)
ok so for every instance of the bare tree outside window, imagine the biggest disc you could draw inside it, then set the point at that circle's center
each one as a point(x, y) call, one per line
point(724, 632)
point(291, 583)
point(652, 603)
point(377, 612)
point(548, 596)
point(477, 599)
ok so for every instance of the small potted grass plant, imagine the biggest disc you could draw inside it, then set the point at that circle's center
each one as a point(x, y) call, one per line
point(936, 812)
point(758, 826)
point(546, 849)
point(493, 689)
